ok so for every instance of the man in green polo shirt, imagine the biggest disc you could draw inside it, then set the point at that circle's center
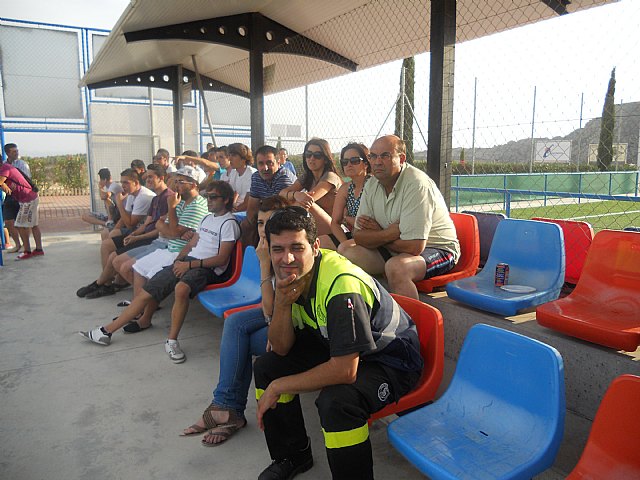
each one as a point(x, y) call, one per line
point(403, 228)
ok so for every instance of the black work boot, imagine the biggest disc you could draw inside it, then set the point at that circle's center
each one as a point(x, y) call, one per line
point(287, 468)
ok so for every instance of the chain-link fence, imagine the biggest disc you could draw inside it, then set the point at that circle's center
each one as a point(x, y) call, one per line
point(539, 127)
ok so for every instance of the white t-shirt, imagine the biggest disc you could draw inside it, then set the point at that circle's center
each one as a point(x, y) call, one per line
point(212, 232)
point(140, 203)
point(202, 175)
point(114, 188)
point(241, 184)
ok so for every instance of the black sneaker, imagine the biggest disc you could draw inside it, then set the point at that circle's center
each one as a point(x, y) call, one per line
point(287, 468)
point(82, 292)
point(101, 291)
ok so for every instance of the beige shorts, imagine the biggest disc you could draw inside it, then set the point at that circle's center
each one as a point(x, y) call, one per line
point(28, 214)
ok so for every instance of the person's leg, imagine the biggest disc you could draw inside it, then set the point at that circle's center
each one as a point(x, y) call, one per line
point(37, 236)
point(402, 271)
point(89, 218)
point(13, 232)
point(24, 236)
point(108, 272)
point(370, 260)
point(107, 247)
point(179, 309)
point(137, 305)
point(322, 218)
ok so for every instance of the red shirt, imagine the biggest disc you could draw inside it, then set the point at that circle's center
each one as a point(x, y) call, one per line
point(20, 188)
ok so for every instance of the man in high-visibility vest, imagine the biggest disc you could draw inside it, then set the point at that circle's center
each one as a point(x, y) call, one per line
point(334, 329)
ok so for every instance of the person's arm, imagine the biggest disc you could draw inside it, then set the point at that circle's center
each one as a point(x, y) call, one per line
point(4, 185)
point(171, 229)
point(337, 215)
point(252, 210)
point(266, 285)
point(295, 187)
point(370, 234)
point(214, 166)
point(126, 219)
point(295, 194)
point(412, 247)
point(336, 371)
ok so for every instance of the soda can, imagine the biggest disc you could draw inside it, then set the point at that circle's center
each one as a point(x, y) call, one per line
point(502, 274)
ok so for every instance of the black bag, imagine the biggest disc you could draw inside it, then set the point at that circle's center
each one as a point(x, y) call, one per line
point(34, 187)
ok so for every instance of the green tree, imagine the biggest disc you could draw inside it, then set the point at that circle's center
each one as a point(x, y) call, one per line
point(409, 66)
point(279, 144)
point(607, 125)
point(462, 156)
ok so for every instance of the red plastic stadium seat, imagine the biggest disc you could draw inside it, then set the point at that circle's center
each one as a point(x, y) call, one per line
point(430, 327)
point(236, 266)
point(467, 266)
point(577, 240)
point(612, 451)
point(604, 308)
point(231, 311)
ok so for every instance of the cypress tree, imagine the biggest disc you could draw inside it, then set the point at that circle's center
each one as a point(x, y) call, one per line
point(607, 126)
point(409, 65)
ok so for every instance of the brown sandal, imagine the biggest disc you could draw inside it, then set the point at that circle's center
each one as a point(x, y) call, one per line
point(209, 422)
point(226, 430)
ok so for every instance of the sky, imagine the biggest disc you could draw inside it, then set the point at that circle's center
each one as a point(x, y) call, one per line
point(564, 59)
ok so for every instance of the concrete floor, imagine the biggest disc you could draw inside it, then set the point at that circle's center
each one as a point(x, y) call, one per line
point(71, 409)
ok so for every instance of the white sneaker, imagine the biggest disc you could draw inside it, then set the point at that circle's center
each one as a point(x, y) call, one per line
point(174, 352)
point(97, 336)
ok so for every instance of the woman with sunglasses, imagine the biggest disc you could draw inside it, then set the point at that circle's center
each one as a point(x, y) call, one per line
point(243, 336)
point(316, 189)
point(355, 165)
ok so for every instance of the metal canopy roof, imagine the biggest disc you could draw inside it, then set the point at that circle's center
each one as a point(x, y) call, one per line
point(358, 33)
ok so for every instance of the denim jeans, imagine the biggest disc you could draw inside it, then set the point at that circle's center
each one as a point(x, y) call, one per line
point(244, 335)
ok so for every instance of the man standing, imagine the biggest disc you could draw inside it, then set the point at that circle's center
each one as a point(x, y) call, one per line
point(13, 183)
point(403, 228)
point(334, 329)
point(269, 180)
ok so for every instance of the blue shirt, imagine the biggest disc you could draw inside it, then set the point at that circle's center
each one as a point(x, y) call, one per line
point(282, 179)
point(289, 166)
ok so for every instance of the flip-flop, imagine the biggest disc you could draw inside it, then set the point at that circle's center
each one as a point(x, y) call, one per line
point(123, 303)
point(134, 327)
point(137, 317)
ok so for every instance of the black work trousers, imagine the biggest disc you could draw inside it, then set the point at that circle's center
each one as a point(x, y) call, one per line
point(344, 409)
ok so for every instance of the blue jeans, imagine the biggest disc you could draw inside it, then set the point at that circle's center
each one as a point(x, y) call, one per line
point(244, 335)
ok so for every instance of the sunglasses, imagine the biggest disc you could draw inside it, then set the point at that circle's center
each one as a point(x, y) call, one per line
point(353, 161)
point(213, 196)
point(316, 155)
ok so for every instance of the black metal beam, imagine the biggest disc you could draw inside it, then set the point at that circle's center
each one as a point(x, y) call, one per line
point(247, 31)
point(163, 78)
point(441, 81)
point(558, 6)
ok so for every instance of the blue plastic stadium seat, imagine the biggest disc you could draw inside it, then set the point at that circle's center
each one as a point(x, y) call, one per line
point(535, 254)
point(487, 224)
point(502, 416)
point(246, 291)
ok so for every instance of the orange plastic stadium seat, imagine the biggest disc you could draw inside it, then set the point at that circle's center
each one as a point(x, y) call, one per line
point(430, 327)
point(467, 266)
point(236, 266)
point(577, 240)
point(604, 308)
point(612, 451)
point(231, 311)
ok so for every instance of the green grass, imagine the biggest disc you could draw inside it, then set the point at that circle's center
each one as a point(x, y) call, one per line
point(600, 214)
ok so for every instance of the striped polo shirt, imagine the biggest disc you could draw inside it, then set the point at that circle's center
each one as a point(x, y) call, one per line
point(282, 179)
point(189, 216)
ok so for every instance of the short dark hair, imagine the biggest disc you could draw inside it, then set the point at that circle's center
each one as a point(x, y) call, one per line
point(282, 149)
point(9, 146)
point(224, 189)
point(130, 173)
point(138, 164)
point(223, 149)
point(104, 174)
point(266, 150)
point(159, 170)
point(163, 152)
point(292, 218)
point(190, 153)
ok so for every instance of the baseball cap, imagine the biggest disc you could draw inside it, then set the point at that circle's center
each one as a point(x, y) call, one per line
point(189, 172)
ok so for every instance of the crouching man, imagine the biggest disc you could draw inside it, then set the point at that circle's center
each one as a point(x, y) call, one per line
point(334, 329)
